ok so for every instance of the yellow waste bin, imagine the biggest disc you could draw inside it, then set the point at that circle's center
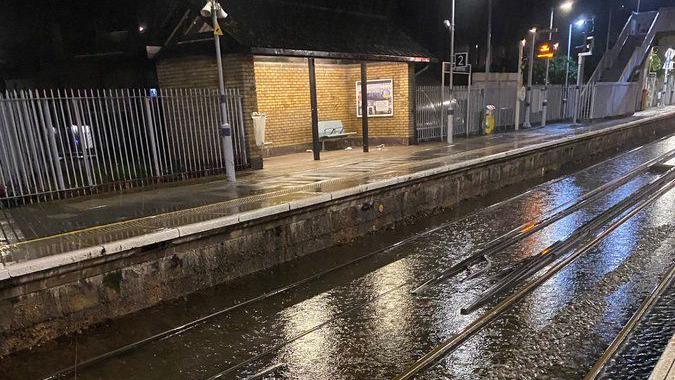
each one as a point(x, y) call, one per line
point(490, 122)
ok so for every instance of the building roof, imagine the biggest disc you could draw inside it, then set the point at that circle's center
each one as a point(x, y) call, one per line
point(304, 28)
point(298, 28)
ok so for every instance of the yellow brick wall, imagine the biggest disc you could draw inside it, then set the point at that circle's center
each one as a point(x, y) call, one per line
point(397, 126)
point(283, 94)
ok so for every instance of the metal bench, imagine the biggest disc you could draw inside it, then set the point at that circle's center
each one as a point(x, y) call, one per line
point(332, 130)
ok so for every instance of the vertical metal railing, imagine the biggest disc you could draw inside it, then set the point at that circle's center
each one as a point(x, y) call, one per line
point(596, 101)
point(61, 143)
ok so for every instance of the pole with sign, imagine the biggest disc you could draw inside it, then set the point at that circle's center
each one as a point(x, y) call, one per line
point(462, 67)
point(450, 25)
point(215, 11)
point(520, 93)
point(528, 97)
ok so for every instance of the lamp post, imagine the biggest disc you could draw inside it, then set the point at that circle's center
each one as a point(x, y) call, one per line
point(450, 25)
point(488, 55)
point(578, 23)
point(519, 85)
point(213, 9)
point(566, 7)
point(528, 98)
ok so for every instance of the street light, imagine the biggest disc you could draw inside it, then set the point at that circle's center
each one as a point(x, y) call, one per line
point(565, 7)
point(579, 23)
point(215, 11)
point(519, 86)
point(528, 96)
point(450, 26)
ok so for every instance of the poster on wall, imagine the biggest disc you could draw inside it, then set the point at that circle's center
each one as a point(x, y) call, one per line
point(380, 98)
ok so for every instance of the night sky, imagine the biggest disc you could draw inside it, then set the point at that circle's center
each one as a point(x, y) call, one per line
point(55, 31)
point(511, 20)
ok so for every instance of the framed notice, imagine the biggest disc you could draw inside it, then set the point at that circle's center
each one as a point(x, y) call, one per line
point(380, 98)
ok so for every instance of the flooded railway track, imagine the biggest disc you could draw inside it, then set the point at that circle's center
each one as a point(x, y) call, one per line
point(536, 270)
point(528, 277)
point(628, 208)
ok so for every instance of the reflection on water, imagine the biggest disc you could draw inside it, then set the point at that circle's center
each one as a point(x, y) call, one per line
point(308, 353)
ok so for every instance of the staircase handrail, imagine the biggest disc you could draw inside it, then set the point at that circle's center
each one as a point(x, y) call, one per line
point(639, 54)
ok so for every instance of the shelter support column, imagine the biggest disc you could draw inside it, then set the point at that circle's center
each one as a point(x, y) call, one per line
point(364, 104)
point(316, 144)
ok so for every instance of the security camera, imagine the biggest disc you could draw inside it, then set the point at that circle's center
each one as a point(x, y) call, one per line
point(220, 13)
point(206, 11)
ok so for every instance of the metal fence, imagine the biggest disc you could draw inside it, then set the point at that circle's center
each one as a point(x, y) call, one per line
point(469, 112)
point(59, 143)
point(598, 100)
point(614, 99)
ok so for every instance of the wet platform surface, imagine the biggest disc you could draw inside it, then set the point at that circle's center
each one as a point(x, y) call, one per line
point(42, 230)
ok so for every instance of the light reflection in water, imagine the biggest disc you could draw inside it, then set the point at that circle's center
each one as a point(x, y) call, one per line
point(559, 289)
point(309, 354)
point(390, 320)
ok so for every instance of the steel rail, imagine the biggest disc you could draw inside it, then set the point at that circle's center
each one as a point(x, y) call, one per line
point(620, 208)
point(532, 227)
point(549, 254)
point(449, 345)
point(194, 323)
point(647, 304)
point(190, 325)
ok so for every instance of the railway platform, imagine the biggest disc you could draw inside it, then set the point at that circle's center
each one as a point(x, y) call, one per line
point(91, 259)
point(47, 229)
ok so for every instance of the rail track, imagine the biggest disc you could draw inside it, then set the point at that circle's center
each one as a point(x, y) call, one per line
point(520, 281)
point(530, 276)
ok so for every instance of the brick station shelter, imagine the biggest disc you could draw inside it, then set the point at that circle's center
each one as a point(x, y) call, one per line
point(285, 56)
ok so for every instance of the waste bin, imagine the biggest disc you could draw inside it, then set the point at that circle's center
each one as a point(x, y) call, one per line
point(259, 124)
point(490, 122)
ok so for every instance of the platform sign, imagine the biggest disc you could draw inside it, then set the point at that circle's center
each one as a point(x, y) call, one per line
point(547, 50)
point(461, 60)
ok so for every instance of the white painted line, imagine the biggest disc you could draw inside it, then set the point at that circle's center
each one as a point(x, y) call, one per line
point(310, 201)
point(141, 241)
point(55, 261)
point(347, 192)
point(208, 225)
point(381, 184)
point(263, 212)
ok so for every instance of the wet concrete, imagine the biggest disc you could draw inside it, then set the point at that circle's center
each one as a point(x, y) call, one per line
point(362, 322)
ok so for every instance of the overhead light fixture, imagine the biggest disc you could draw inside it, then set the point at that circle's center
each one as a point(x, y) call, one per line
point(533, 30)
point(567, 6)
